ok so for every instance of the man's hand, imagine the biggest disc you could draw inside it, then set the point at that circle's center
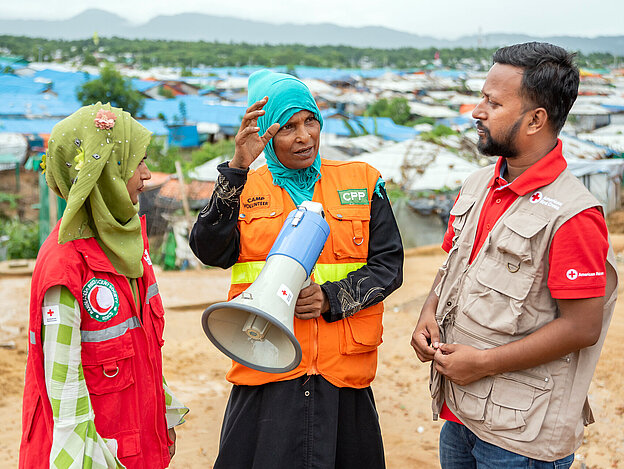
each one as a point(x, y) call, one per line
point(311, 303)
point(426, 336)
point(462, 364)
point(172, 437)
point(249, 144)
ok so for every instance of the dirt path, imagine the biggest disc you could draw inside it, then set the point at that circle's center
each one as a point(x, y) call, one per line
point(195, 371)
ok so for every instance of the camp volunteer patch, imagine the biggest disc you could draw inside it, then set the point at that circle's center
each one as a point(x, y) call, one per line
point(353, 197)
point(100, 299)
point(256, 201)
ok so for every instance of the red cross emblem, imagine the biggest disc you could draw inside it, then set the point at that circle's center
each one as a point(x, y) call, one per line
point(536, 197)
point(572, 274)
point(50, 312)
point(284, 292)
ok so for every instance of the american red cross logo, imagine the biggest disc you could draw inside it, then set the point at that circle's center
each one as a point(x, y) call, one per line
point(50, 312)
point(572, 274)
point(536, 197)
point(284, 292)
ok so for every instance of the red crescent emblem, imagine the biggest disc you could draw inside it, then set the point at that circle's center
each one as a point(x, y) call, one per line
point(94, 302)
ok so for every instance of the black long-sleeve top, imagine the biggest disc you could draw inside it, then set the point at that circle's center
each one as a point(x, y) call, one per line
point(215, 241)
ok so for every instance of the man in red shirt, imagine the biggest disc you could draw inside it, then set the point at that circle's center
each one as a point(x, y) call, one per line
point(527, 289)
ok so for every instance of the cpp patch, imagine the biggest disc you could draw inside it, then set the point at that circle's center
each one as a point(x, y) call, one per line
point(353, 197)
point(100, 299)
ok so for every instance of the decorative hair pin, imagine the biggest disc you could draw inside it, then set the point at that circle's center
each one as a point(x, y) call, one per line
point(105, 119)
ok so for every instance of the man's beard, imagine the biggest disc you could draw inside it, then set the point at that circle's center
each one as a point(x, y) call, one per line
point(504, 147)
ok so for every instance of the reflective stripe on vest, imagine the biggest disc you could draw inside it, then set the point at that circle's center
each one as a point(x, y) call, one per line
point(152, 291)
point(247, 272)
point(111, 332)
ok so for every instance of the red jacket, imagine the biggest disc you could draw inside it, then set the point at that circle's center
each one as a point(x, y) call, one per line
point(121, 356)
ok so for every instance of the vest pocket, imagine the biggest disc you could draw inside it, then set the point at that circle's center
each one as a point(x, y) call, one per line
point(107, 365)
point(349, 230)
point(258, 229)
point(507, 272)
point(360, 334)
point(498, 303)
point(31, 415)
point(128, 443)
point(472, 398)
point(460, 211)
point(511, 405)
point(519, 402)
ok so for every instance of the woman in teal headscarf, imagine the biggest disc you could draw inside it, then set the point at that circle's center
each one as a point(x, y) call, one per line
point(94, 394)
point(321, 414)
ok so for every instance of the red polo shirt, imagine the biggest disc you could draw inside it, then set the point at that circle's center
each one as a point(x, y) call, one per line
point(579, 246)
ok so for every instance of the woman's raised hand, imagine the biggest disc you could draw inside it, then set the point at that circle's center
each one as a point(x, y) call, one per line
point(249, 144)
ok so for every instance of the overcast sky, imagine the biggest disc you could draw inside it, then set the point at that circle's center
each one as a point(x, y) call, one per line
point(441, 18)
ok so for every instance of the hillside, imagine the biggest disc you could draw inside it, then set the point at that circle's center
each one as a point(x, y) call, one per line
point(196, 27)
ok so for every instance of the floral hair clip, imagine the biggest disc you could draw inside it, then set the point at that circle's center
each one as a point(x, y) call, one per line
point(42, 165)
point(105, 119)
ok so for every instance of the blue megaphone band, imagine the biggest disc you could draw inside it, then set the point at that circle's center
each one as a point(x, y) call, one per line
point(302, 238)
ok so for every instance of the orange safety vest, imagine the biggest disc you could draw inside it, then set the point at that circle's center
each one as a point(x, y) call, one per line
point(121, 357)
point(344, 352)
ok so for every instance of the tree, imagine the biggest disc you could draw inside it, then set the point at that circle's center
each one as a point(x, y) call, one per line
point(111, 88)
point(396, 109)
point(89, 59)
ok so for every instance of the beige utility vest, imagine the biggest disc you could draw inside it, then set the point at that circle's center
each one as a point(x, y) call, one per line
point(503, 296)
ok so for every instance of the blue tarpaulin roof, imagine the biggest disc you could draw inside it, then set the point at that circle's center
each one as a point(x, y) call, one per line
point(44, 126)
point(198, 109)
point(36, 105)
point(12, 84)
point(381, 126)
point(184, 136)
point(65, 83)
point(143, 85)
point(614, 107)
point(23, 96)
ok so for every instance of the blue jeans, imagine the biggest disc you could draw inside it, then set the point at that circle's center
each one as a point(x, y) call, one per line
point(462, 449)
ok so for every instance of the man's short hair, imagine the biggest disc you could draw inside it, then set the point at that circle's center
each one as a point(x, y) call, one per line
point(550, 79)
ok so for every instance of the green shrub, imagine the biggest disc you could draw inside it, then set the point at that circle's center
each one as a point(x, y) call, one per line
point(209, 151)
point(159, 159)
point(435, 135)
point(23, 240)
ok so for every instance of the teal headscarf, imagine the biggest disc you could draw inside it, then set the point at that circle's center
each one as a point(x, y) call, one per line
point(287, 96)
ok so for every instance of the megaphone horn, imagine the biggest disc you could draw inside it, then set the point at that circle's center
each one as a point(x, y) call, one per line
point(256, 328)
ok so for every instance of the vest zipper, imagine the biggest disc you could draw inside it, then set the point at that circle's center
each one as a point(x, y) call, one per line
point(498, 344)
point(478, 337)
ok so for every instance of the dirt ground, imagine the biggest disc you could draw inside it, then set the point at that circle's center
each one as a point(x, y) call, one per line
point(195, 370)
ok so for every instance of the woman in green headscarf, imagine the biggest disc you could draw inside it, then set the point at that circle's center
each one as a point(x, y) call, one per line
point(322, 413)
point(94, 394)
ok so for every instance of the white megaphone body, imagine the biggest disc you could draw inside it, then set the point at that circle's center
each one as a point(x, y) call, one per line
point(256, 328)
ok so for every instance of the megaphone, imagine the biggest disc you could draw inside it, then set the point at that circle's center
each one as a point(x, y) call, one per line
point(255, 328)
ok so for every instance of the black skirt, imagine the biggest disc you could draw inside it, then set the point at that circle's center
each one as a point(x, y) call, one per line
point(305, 423)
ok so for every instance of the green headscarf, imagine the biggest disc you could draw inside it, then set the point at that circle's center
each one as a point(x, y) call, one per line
point(287, 96)
point(91, 156)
